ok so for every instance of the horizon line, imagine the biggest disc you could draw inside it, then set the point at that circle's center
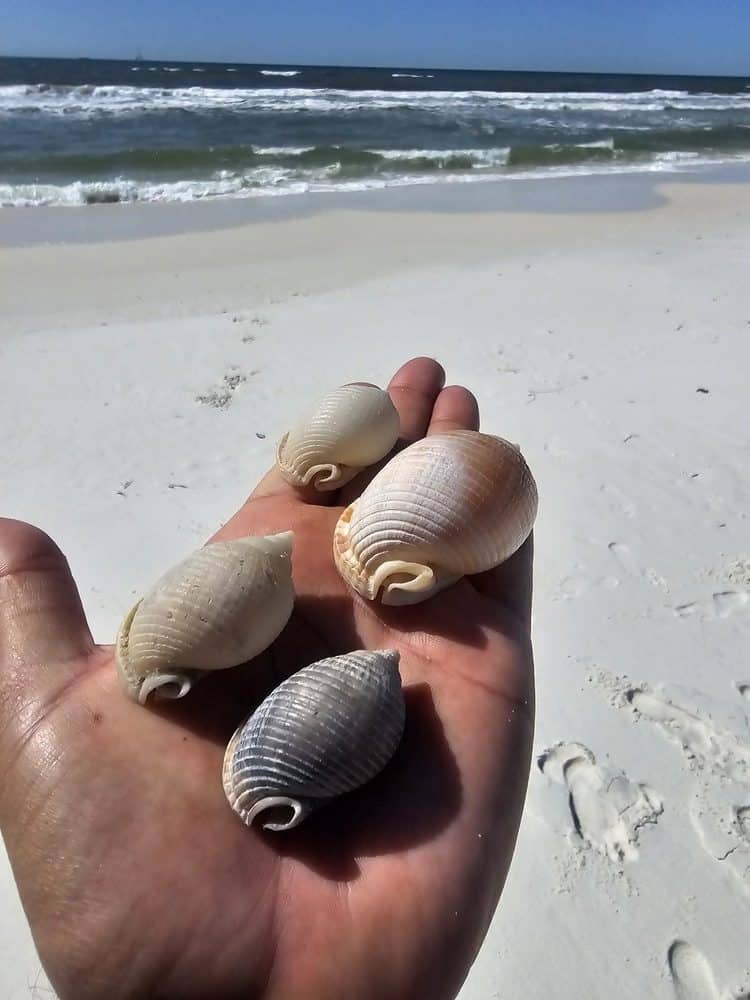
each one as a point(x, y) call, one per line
point(403, 66)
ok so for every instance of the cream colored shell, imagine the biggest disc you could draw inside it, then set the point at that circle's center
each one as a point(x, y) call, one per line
point(324, 731)
point(350, 428)
point(447, 506)
point(218, 608)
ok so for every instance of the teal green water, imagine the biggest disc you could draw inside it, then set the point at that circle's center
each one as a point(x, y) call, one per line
point(86, 131)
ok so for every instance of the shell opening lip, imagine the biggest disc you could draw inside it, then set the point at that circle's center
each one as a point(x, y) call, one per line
point(401, 583)
point(279, 804)
point(326, 476)
point(167, 686)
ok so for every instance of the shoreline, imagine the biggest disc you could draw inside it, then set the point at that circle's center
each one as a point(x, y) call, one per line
point(583, 194)
point(126, 265)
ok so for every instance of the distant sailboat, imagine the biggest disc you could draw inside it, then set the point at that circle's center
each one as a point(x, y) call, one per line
point(139, 56)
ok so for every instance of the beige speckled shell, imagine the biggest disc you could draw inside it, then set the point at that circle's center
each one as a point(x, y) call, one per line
point(350, 428)
point(324, 731)
point(218, 608)
point(447, 506)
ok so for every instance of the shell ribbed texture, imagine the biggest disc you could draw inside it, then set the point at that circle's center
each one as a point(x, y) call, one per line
point(324, 731)
point(351, 427)
point(218, 608)
point(463, 501)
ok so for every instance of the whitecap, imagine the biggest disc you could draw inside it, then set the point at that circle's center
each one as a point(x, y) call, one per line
point(88, 102)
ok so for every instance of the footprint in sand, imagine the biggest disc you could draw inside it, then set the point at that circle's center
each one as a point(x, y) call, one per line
point(572, 586)
point(692, 976)
point(728, 602)
point(579, 582)
point(607, 808)
point(721, 605)
point(722, 826)
point(720, 809)
point(627, 562)
point(705, 744)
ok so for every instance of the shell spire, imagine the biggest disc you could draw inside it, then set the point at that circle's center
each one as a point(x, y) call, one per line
point(220, 607)
point(447, 506)
point(325, 731)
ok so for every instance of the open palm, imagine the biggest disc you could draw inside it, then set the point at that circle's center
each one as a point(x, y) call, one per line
point(137, 878)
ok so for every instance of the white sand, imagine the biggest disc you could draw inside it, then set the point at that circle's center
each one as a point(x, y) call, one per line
point(131, 408)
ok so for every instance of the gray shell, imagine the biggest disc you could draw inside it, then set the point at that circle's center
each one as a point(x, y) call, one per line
point(324, 731)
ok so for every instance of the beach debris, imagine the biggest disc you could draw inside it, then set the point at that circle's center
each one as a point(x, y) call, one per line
point(347, 430)
point(125, 487)
point(447, 506)
point(218, 608)
point(221, 397)
point(326, 730)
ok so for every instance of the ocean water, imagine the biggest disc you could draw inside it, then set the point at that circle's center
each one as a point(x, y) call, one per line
point(76, 132)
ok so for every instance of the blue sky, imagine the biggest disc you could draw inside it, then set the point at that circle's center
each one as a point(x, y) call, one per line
point(668, 36)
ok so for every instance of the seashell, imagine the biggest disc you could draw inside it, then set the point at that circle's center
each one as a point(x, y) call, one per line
point(218, 608)
point(326, 730)
point(350, 428)
point(447, 506)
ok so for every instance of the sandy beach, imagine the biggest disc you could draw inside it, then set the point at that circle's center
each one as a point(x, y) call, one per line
point(150, 357)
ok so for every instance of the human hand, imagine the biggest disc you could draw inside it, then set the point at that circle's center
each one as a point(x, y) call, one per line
point(137, 878)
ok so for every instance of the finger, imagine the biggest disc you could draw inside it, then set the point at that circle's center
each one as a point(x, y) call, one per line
point(455, 409)
point(511, 584)
point(43, 630)
point(414, 389)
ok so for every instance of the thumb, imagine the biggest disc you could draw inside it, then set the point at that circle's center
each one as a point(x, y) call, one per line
point(43, 632)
